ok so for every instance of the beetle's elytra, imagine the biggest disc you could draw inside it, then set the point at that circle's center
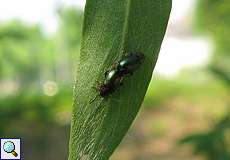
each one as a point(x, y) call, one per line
point(119, 70)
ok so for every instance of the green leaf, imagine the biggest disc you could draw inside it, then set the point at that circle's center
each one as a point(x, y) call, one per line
point(111, 29)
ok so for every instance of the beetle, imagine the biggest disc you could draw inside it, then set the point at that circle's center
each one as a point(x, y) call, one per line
point(119, 70)
point(130, 63)
point(111, 83)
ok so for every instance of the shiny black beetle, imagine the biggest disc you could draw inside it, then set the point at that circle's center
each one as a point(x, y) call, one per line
point(130, 63)
point(110, 84)
point(114, 76)
point(112, 81)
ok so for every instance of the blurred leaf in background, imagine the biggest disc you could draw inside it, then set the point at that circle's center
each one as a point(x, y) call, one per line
point(213, 19)
point(68, 40)
point(35, 83)
point(214, 144)
point(19, 45)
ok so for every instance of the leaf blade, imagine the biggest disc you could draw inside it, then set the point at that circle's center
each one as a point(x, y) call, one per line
point(131, 26)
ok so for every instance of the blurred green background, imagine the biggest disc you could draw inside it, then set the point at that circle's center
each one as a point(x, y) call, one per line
point(186, 112)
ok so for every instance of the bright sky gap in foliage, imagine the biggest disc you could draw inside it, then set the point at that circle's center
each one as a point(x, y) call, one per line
point(176, 53)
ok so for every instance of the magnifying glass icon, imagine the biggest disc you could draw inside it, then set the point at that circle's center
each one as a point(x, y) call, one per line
point(9, 147)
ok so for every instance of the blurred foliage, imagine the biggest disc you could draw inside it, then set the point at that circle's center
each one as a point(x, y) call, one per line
point(30, 107)
point(214, 144)
point(28, 60)
point(29, 57)
point(224, 75)
point(27, 109)
point(195, 89)
point(68, 40)
point(70, 26)
point(213, 19)
point(19, 44)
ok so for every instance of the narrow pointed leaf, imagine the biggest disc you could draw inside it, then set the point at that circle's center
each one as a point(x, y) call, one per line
point(113, 28)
